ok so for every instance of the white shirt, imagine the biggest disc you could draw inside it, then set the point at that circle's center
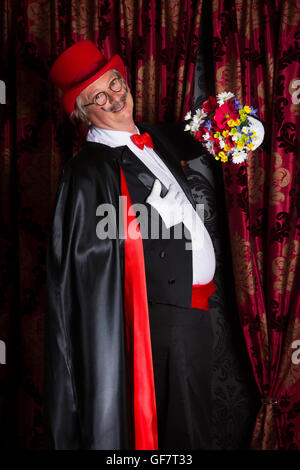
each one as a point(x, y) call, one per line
point(203, 255)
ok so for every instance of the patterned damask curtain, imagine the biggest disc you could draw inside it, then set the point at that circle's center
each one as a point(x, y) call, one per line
point(256, 46)
point(157, 40)
point(235, 398)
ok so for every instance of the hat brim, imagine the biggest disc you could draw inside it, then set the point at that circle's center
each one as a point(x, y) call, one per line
point(69, 98)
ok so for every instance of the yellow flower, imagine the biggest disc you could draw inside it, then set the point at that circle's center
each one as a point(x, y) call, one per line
point(225, 133)
point(226, 148)
point(233, 130)
point(232, 123)
point(247, 109)
point(243, 117)
point(223, 157)
point(217, 135)
point(240, 144)
point(250, 146)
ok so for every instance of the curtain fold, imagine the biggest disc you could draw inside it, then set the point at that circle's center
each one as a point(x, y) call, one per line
point(234, 393)
point(256, 48)
point(159, 42)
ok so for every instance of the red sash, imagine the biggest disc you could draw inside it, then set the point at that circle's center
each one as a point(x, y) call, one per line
point(138, 333)
point(201, 293)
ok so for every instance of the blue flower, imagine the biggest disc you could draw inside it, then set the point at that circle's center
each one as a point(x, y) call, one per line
point(237, 105)
point(207, 125)
point(253, 111)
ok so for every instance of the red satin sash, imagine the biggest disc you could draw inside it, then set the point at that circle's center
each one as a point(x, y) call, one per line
point(201, 293)
point(138, 333)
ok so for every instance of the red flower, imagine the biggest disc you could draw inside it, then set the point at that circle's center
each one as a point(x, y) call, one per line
point(224, 113)
point(210, 105)
point(229, 142)
point(200, 133)
point(217, 148)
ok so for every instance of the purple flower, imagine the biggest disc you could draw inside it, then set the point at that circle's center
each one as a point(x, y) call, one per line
point(237, 105)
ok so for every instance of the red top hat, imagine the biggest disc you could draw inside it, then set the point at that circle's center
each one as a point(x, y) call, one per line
point(79, 66)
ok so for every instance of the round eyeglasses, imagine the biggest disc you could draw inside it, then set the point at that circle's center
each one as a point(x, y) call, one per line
point(100, 99)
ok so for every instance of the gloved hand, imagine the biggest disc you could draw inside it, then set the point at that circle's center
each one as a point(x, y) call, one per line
point(170, 207)
point(258, 127)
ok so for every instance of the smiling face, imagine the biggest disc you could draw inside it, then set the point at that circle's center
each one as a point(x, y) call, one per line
point(116, 114)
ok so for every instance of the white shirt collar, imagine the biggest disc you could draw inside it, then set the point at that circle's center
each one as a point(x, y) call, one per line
point(109, 137)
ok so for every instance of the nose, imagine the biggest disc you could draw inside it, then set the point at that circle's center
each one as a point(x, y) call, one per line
point(111, 96)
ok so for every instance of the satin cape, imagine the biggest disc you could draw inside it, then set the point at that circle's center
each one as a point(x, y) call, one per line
point(97, 393)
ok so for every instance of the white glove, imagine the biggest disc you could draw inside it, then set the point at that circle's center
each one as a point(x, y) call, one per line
point(258, 127)
point(170, 207)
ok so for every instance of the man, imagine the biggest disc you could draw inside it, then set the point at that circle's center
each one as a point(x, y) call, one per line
point(128, 331)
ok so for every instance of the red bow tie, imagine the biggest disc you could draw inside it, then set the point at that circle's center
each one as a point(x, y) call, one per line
point(142, 139)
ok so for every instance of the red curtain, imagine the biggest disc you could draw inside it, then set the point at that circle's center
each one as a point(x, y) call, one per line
point(158, 43)
point(256, 52)
point(257, 49)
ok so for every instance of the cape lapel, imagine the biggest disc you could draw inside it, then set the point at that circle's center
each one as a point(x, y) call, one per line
point(142, 172)
point(162, 150)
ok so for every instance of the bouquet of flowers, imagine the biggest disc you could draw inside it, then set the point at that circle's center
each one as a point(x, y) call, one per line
point(226, 128)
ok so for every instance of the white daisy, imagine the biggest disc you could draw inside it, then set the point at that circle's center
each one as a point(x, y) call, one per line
point(221, 143)
point(194, 126)
point(224, 96)
point(196, 120)
point(210, 146)
point(200, 114)
point(238, 156)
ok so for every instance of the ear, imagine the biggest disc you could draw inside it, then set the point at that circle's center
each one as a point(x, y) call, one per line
point(85, 121)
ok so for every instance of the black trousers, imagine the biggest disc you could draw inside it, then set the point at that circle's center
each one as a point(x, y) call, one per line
point(182, 345)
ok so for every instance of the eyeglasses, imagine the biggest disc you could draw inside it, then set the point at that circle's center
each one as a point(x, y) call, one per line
point(115, 85)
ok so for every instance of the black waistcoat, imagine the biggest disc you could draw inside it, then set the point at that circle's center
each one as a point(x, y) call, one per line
point(168, 262)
